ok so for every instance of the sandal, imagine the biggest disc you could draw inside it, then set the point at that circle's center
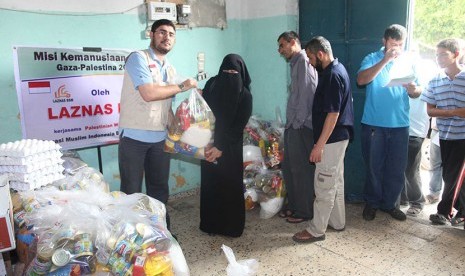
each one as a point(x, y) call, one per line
point(431, 199)
point(305, 237)
point(457, 221)
point(285, 213)
point(414, 211)
point(295, 219)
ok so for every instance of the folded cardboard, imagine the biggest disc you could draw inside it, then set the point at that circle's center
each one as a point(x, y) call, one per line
point(7, 240)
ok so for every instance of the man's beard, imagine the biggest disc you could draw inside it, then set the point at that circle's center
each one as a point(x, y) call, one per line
point(160, 49)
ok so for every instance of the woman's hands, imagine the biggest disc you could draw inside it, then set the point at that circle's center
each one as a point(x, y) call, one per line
point(212, 153)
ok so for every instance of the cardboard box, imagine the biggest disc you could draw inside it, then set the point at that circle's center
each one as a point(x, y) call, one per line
point(7, 240)
point(2, 266)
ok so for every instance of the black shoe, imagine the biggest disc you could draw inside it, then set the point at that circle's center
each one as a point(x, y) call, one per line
point(369, 213)
point(438, 219)
point(396, 214)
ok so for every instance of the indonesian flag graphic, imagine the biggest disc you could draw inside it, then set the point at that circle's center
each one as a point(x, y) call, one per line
point(39, 87)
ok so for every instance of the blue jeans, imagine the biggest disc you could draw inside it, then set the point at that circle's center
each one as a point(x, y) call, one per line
point(384, 151)
point(435, 183)
point(412, 193)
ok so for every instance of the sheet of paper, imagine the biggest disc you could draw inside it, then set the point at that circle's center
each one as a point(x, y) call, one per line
point(401, 81)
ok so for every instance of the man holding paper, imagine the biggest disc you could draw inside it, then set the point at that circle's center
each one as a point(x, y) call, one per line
point(385, 126)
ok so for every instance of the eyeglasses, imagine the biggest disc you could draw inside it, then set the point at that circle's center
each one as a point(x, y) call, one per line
point(166, 33)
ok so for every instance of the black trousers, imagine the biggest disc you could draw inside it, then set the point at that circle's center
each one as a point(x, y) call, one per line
point(137, 159)
point(452, 156)
point(298, 173)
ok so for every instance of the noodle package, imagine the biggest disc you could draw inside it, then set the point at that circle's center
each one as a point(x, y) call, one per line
point(191, 129)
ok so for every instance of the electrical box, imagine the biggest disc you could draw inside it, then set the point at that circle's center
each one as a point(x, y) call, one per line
point(161, 10)
point(201, 75)
point(184, 12)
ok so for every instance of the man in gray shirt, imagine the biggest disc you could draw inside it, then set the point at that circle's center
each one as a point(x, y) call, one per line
point(298, 173)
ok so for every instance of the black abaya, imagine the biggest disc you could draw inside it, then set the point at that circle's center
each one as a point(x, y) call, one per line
point(222, 207)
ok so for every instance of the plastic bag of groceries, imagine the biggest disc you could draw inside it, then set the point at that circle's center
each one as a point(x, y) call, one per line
point(82, 179)
point(139, 244)
point(263, 140)
point(251, 170)
point(82, 232)
point(191, 129)
point(64, 241)
point(270, 192)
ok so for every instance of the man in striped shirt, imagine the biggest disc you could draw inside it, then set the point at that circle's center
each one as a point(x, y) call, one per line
point(445, 98)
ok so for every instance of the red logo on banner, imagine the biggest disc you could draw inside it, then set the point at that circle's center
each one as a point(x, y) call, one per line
point(62, 93)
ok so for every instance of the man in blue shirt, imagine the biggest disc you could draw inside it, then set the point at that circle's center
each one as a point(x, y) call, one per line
point(148, 86)
point(333, 120)
point(385, 126)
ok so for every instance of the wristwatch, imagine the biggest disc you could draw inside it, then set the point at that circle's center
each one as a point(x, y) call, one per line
point(181, 86)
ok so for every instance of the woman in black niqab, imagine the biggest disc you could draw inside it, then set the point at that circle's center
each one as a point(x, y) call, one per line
point(222, 206)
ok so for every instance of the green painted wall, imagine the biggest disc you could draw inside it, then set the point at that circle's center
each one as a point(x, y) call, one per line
point(269, 71)
point(254, 39)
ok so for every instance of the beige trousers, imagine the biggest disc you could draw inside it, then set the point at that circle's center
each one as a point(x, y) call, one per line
point(328, 207)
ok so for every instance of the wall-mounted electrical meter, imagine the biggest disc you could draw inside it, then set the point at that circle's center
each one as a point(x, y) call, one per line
point(161, 10)
point(184, 12)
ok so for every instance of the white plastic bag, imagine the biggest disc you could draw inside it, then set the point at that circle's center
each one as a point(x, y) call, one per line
point(247, 267)
point(271, 207)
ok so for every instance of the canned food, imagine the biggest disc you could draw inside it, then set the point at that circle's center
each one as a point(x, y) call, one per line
point(61, 257)
point(120, 267)
point(41, 266)
point(30, 205)
point(124, 249)
point(19, 218)
point(83, 246)
point(83, 236)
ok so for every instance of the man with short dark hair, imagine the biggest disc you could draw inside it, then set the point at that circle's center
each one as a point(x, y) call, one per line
point(298, 136)
point(333, 120)
point(385, 125)
point(148, 86)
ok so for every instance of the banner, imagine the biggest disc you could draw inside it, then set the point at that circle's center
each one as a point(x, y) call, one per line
point(69, 95)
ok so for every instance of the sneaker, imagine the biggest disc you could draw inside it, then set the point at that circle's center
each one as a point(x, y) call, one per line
point(431, 199)
point(369, 213)
point(438, 219)
point(396, 214)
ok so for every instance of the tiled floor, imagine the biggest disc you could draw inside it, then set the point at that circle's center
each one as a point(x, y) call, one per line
point(383, 246)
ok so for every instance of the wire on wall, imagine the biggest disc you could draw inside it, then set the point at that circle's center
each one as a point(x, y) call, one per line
point(73, 14)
